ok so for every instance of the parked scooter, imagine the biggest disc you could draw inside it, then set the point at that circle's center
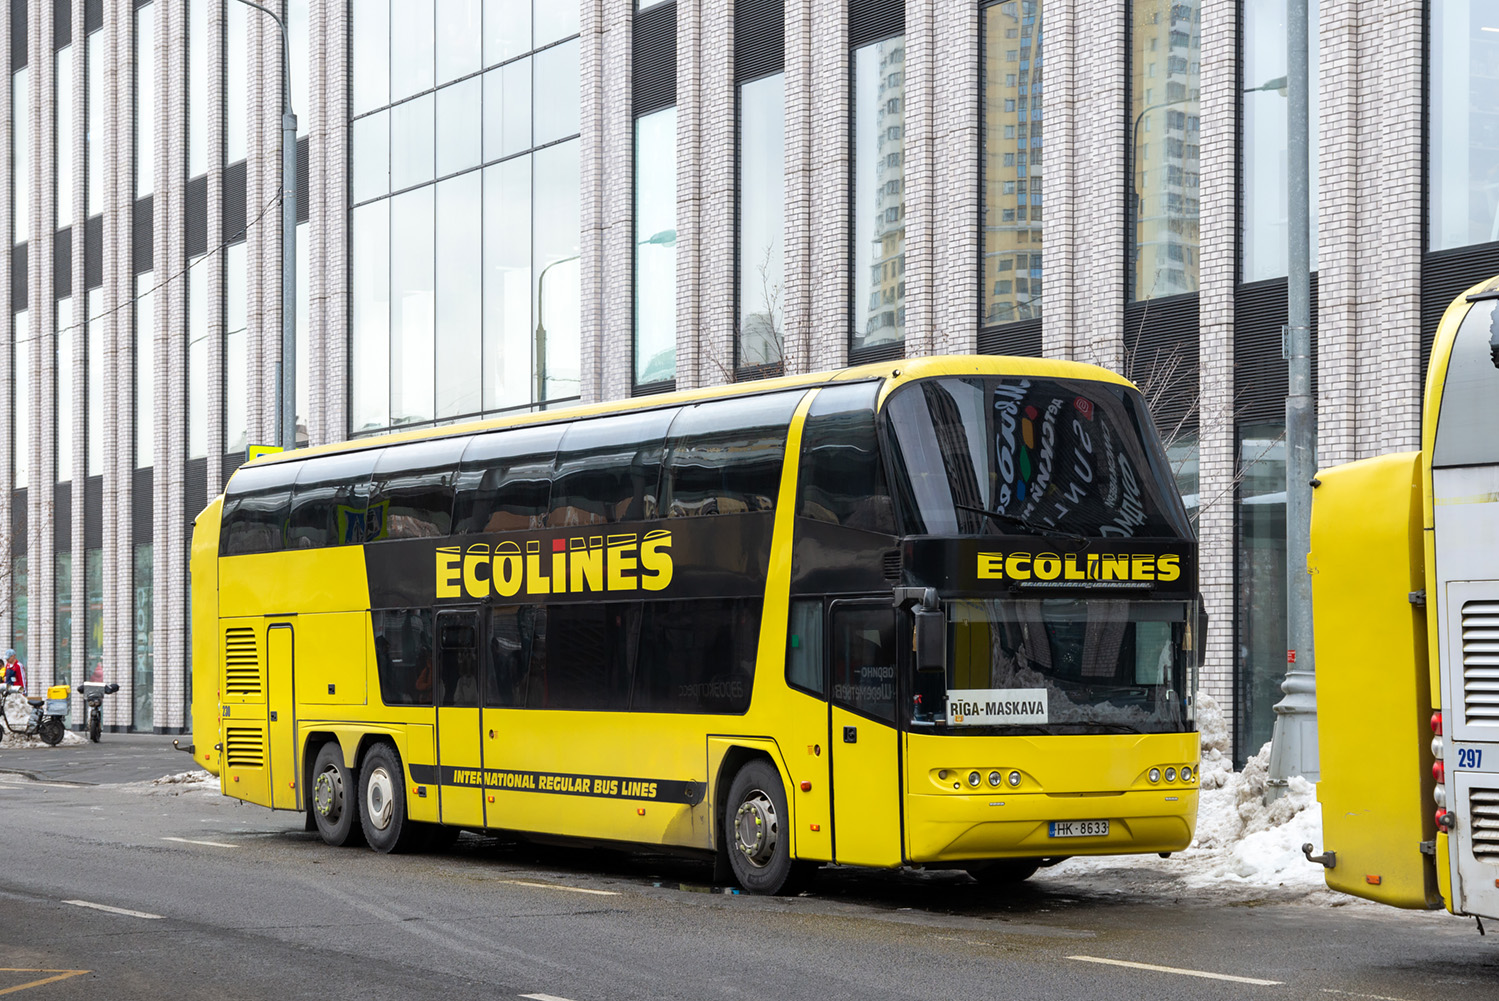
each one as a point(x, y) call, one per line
point(46, 718)
point(93, 693)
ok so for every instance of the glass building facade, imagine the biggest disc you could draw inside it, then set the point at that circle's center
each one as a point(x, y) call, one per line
point(502, 207)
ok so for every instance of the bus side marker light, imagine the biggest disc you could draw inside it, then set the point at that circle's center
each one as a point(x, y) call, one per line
point(806, 786)
point(236, 778)
point(818, 827)
point(292, 784)
point(640, 810)
point(1373, 880)
point(491, 799)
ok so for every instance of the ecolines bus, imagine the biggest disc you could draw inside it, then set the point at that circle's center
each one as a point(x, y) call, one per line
point(940, 612)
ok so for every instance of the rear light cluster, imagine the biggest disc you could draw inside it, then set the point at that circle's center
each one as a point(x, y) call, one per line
point(1443, 819)
point(1171, 774)
point(976, 778)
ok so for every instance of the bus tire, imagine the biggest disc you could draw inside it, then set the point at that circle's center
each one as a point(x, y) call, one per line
point(757, 830)
point(1005, 871)
point(382, 801)
point(334, 810)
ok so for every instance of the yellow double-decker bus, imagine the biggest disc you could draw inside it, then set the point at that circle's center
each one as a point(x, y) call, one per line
point(939, 612)
point(1405, 591)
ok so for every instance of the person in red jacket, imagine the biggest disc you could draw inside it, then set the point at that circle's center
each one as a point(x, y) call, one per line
point(15, 674)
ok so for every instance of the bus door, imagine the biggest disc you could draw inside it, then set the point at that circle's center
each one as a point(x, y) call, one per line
point(280, 662)
point(863, 658)
point(460, 754)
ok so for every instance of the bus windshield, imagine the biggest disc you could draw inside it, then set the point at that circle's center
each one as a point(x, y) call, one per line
point(1061, 666)
point(1029, 456)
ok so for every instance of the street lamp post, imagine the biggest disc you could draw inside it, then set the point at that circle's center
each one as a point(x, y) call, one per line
point(286, 384)
point(1293, 749)
point(541, 330)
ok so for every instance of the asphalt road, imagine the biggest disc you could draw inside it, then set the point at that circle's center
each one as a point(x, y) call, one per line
point(114, 887)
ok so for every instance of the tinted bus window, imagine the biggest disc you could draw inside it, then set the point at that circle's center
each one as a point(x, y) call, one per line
point(505, 481)
point(864, 659)
point(586, 659)
point(412, 496)
point(697, 656)
point(842, 479)
point(257, 503)
point(1466, 420)
point(403, 656)
point(726, 457)
point(1013, 456)
point(517, 639)
point(330, 500)
point(608, 469)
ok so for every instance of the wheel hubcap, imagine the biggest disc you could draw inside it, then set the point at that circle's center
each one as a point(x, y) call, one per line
point(756, 828)
point(378, 799)
point(328, 794)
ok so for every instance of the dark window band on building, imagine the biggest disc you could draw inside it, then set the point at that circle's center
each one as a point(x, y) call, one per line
point(1161, 355)
point(759, 38)
point(234, 203)
point(93, 252)
point(18, 522)
point(142, 247)
point(197, 216)
point(1259, 366)
point(655, 59)
point(872, 20)
point(1022, 339)
point(62, 517)
point(1444, 274)
point(62, 263)
point(93, 15)
point(18, 278)
point(62, 23)
point(17, 34)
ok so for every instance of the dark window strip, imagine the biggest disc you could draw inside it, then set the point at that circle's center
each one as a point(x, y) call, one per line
point(655, 59)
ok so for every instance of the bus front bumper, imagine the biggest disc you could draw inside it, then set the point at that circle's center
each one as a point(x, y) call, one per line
point(946, 828)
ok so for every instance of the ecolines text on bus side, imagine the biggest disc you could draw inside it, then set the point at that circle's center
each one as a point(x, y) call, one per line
point(620, 562)
point(1101, 567)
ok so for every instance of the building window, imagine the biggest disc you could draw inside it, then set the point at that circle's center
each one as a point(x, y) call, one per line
point(20, 399)
point(878, 213)
point(1464, 142)
point(94, 121)
point(237, 80)
point(465, 218)
point(62, 137)
point(143, 675)
point(237, 349)
point(762, 215)
point(94, 360)
point(20, 150)
point(197, 87)
point(197, 355)
point(1262, 583)
point(1264, 147)
point(145, 374)
point(1010, 99)
point(145, 100)
point(62, 623)
point(656, 247)
point(1163, 235)
point(66, 338)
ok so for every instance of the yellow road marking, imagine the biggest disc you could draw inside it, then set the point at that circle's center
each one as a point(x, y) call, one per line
point(559, 886)
point(1176, 970)
point(59, 975)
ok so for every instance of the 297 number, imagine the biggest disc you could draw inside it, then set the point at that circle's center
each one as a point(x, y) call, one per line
point(1469, 757)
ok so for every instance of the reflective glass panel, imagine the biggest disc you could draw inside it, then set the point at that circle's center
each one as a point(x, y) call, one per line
point(304, 356)
point(66, 338)
point(507, 29)
point(142, 679)
point(197, 358)
point(555, 252)
point(20, 152)
point(1262, 583)
point(412, 47)
point(18, 607)
point(507, 110)
point(1163, 141)
point(1264, 144)
point(460, 39)
point(145, 369)
point(145, 100)
point(879, 251)
point(656, 247)
point(1012, 208)
point(63, 135)
point(556, 89)
point(236, 351)
point(1464, 123)
point(20, 399)
point(554, 20)
point(412, 295)
point(460, 275)
point(95, 363)
point(458, 126)
point(94, 122)
point(197, 87)
point(762, 218)
point(508, 340)
point(93, 631)
point(62, 623)
point(301, 68)
point(371, 29)
point(237, 82)
point(371, 156)
point(412, 142)
point(370, 350)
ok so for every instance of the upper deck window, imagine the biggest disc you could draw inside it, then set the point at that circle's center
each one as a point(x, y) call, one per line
point(842, 480)
point(1470, 397)
point(1021, 456)
point(609, 469)
point(412, 495)
point(725, 457)
point(505, 483)
point(257, 503)
point(330, 502)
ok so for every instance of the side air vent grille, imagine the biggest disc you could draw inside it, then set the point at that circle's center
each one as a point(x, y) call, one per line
point(892, 564)
point(1481, 662)
point(241, 662)
point(1483, 821)
point(244, 747)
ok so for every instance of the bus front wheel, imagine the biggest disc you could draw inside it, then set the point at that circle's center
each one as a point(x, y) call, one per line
point(382, 801)
point(334, 809)
point(757, 830)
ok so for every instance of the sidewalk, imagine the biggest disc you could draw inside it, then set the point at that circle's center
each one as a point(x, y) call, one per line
point(118, 757)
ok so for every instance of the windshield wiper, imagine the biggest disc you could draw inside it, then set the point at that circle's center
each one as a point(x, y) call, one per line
point(1026, 524)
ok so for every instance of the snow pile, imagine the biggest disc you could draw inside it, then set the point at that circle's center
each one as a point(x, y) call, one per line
point(196, 782)
point(1241, 843)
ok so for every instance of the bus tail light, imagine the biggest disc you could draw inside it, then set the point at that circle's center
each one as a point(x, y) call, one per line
point(1439, 772)
point(1436, 722)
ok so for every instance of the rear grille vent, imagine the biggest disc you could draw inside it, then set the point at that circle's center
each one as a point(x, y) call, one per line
point(1483, 821)
point(241, 662)
point(892, 564)
point(1481, 662)
point(244, 747)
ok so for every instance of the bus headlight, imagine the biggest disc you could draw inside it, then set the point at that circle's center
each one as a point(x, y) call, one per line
point(1186, 773)
point(1171, 775)
point(994, 778)
point(1014, 779)
point(974, 778)
point(1155, 775)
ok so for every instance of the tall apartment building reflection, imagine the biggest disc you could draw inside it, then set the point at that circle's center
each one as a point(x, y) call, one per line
point(1012, 168)
point(885, 312)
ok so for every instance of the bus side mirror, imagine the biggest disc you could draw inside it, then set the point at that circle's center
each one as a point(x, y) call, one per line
point(931, 640)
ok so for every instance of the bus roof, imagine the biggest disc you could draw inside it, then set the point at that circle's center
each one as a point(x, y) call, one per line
point(895, 373)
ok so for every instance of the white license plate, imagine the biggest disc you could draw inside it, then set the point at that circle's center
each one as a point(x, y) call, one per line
point(1079, 828)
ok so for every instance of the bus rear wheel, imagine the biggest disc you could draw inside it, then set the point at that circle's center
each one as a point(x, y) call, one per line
point(334, 809)
point(382, 801)
point(757, 830)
